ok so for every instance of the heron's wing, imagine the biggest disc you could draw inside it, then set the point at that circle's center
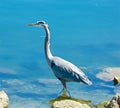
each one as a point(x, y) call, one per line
point(67, 71)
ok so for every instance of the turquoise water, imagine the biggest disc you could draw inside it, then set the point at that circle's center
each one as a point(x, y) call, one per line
point(82, 31)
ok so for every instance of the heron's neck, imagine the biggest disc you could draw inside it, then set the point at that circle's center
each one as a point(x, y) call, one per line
point(47, 45)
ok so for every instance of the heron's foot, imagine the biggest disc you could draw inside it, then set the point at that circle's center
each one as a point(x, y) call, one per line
point(65, 92)
point(61, 92)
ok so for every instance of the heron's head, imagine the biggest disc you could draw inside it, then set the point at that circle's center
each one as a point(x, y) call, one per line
point(39, 24)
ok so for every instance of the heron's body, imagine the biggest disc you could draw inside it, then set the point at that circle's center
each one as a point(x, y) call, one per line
point(68, 72)
point(62, 69)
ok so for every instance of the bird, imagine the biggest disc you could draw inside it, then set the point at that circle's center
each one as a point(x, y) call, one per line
point(64, 70)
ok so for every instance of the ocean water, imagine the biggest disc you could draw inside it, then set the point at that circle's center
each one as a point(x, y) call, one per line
point(85, 32)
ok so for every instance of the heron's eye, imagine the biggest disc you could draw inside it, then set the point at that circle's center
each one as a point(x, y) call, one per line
point(41, 22)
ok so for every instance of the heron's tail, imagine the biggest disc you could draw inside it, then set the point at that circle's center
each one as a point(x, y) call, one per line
point(86, 80)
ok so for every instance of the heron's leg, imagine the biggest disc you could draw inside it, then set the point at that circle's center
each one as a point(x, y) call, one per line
point(64, 85)
point(65, 91)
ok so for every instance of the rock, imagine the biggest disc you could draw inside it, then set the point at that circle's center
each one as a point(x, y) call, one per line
point(68, 104)
point(65, 101)
point(4, 100)
point(115, 102)
point(116, 81)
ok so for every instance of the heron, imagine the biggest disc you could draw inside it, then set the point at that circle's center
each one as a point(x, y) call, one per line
point(64, 70)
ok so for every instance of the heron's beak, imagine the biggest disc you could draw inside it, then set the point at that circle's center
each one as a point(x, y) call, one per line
point(33, 24)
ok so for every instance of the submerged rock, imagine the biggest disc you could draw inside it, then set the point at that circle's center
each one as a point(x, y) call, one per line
point(109, 73)
point(4, 100)
point(68, 104)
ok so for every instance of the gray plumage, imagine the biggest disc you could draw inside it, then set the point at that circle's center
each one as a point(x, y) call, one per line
point(62, 69)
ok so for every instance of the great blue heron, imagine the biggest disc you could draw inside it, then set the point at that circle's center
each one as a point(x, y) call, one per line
point(62, 69)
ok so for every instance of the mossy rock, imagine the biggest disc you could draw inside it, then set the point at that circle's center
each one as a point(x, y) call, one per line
point(65, 97)
point(88, 102)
